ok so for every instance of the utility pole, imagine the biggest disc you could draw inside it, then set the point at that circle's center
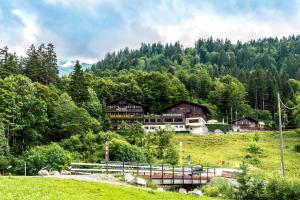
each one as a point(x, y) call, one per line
point(281, 137)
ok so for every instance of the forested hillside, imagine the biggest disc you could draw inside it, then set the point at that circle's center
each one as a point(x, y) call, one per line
point(214, 72)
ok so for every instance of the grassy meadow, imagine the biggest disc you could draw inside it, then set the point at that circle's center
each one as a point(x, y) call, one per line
point(231, 148)
point(40, 188)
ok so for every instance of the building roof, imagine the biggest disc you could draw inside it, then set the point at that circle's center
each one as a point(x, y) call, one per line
point(131, 101)
point(249, 118)
point(205, 109)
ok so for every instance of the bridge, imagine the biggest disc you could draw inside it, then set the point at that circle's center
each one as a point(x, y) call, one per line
point(162, 174)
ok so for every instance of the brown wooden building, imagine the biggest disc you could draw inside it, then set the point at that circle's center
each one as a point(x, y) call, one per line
point(125, 110)
point(248, 123)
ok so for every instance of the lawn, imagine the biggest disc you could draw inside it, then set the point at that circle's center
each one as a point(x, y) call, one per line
point(40, 188)
point(231, 148)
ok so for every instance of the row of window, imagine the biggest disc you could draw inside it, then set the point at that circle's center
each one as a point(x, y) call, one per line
point(128, 107)
point(165, 120)
point(154, 127)
point(125, 120)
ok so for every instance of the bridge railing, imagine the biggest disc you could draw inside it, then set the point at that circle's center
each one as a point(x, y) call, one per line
point(162, 172)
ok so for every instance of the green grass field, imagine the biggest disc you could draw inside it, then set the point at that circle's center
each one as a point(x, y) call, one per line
point(231, 148)
point(39, 188)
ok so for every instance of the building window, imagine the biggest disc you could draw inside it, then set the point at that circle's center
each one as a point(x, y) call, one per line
point(146, 127)
point(146, 120)
point(194, 121)
point(158, 120)
point(168, 120)
point(178, 120)
point(152, 120)
point(180, 126)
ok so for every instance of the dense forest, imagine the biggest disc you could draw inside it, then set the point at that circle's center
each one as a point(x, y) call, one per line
point(37, 107)
point(241, 78)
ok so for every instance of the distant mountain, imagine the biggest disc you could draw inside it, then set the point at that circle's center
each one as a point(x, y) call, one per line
point(65, 67)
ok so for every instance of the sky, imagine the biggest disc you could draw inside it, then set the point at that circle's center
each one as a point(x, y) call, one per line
point(86, 30)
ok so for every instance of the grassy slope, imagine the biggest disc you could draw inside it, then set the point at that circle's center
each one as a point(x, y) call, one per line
point(39, 188)
point(207, 150)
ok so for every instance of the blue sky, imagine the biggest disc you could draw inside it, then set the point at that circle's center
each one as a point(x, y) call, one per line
point(88, 29)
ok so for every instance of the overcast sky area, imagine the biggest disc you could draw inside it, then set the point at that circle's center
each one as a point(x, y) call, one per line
point(88, 29)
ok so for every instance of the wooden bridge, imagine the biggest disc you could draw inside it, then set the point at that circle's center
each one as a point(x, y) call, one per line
point(157, 173)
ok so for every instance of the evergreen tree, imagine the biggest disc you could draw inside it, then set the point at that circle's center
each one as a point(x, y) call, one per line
point(78, 88)
point(41, 64)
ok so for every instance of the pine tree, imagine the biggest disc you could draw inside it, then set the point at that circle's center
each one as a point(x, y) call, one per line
point(78, 89)
point(41, 64)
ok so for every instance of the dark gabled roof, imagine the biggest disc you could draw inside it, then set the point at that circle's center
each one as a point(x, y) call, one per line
point(113, 102)
point(187, 102)
point(249, 118)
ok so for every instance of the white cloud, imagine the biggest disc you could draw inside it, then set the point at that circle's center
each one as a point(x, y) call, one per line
point(19, 38)
point(30, 26)
point(206, 22)
point(82, 4)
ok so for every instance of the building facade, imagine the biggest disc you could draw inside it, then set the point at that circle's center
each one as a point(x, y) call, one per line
point(248, 124)
point(182, 117)
point(125, 110)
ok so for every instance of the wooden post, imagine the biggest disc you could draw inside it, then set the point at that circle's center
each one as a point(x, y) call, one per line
point(162, 174)
point(137, 169)
point(182, 175)
point(173, 176)
point(150, 172)
point(206, 175)
point(200, 176)
point(123, 168)
point(106, 167)
point(192, 175)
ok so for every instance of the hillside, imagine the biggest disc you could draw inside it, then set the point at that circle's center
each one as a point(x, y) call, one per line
point(207, 150)
point(37, 188)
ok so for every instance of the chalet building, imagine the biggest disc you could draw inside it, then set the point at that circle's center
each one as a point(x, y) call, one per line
point(248, 124)
point(183, 116)
point(125, 110)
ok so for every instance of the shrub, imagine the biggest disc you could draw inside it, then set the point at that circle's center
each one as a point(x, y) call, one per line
point(48, 157)
point(217, 186)
point(223, 127)
point(255, 149)
point(256, 137)
point(282, 189)
point(257, 188)
point(297, 148)
point(120, 150)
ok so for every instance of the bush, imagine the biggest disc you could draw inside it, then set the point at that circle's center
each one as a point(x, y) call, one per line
point(282, 189)
point(255, 149)
point(297, 148)
point(257, 188)
point(120, 150)
point(218, 186)
point(48, 157)
point(223, 127)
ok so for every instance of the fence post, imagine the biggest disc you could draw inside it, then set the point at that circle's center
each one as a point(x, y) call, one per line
point(106, 167)
point(123, 169)
point(150, 172)
point(182, 175)
point(214, 172)
point(207, 175)
point(200, 176)
point(192, 174)
point(137, 169)
point(173, 176)
point(162, 174)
